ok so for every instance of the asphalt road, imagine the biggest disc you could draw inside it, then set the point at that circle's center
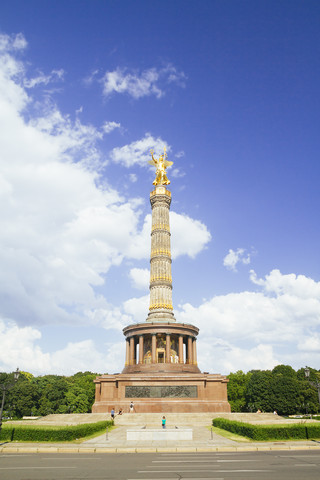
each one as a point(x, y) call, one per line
point(198, 466)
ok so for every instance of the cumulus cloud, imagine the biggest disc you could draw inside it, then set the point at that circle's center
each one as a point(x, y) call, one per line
point(291, 284)
point(138, 152)
point(140, 278)
point(141, 84)
point(19, 347)
point(137, 308)
point(231, 260)
point(189, 236)
point(58, 238)
point(283, 317)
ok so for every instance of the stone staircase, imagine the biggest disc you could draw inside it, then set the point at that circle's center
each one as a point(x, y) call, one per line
point(193, 419)
point(154, 419)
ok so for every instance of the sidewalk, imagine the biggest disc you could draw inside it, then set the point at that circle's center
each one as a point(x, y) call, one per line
point(203, 439)
point(117, 443)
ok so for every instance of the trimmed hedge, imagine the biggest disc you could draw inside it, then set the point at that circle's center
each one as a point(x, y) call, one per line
point(298, 431)
point(31, 433)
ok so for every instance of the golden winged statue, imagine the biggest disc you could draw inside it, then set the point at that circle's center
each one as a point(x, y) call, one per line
point(161, 164)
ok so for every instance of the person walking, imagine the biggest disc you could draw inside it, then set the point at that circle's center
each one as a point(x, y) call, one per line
point(131, 407)
point(164, 422)
point(112, 414)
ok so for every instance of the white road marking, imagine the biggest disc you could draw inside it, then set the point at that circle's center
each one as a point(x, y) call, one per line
point(201, 461)
point(174, 471)
point(32, 468)
point(202, 470)
point(239, 471)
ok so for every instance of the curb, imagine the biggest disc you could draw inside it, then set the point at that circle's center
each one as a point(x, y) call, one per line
point(256, 448)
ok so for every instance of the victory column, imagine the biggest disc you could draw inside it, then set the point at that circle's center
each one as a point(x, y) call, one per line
point(161, 372)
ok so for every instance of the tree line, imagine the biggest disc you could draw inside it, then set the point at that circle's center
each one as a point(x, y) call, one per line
point(282, 389)
point(43, 395)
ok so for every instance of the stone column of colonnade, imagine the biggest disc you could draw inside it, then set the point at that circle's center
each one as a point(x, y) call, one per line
point(160, 308)
point(190, 356)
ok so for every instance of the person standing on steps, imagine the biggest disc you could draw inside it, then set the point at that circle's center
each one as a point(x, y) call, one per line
point(131, 407)
point(112, 414)
point(164, 422)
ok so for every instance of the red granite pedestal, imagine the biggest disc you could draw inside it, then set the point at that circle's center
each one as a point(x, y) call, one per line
point(162, 379)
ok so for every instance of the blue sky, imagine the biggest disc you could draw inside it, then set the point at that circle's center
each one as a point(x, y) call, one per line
point(87, 88)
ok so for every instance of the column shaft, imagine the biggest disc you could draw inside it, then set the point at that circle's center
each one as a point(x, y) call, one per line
point(194, 351)
point(127, 352)
point(132, 351)
point(141, 349)
point(168, 344)
point(153, 349)
point(189, 350)
point(181, 349)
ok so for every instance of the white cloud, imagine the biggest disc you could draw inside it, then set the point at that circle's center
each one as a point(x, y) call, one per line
point(296, 285)
point(108, 127)
point(138, 152)
point(234, 257)
point(137, 85)
point(19, 347)
point(44, 79)
point(10, 43)
point(133, 177)
point(177, 173)
point(57, 238)
point(189, 236)
point(283, 317)
point(140, 278)
point(137, 308)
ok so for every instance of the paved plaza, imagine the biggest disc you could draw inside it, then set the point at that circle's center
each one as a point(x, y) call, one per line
point(204, 439)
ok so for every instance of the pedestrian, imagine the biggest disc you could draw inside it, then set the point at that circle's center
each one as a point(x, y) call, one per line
point(120, 411)
point(112, 414)
point(131, 407)
point(164, 422)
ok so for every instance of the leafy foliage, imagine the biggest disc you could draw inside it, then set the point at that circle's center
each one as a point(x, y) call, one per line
point(269, 432)
point(283, 390)
point(237, 387)
point(48, 394)
point(27, 433)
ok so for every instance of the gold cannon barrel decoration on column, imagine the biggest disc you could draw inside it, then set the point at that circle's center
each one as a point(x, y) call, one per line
point(160, 308)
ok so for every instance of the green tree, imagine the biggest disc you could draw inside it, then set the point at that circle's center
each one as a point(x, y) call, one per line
point(22, 399)
point(258, 391)
point(85, 382)
point(237, 388)
point(285, 394)
point(53, 389)
point(77, 400)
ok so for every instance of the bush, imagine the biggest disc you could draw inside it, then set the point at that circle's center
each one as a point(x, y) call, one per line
point(30, 433)
point(260, 433)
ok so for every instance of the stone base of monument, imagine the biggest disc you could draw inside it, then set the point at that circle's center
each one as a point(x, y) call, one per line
point(162, 393)
point(159, 434)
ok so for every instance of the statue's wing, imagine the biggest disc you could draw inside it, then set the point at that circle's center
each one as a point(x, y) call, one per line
point(152, 162)
point(167, 164)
